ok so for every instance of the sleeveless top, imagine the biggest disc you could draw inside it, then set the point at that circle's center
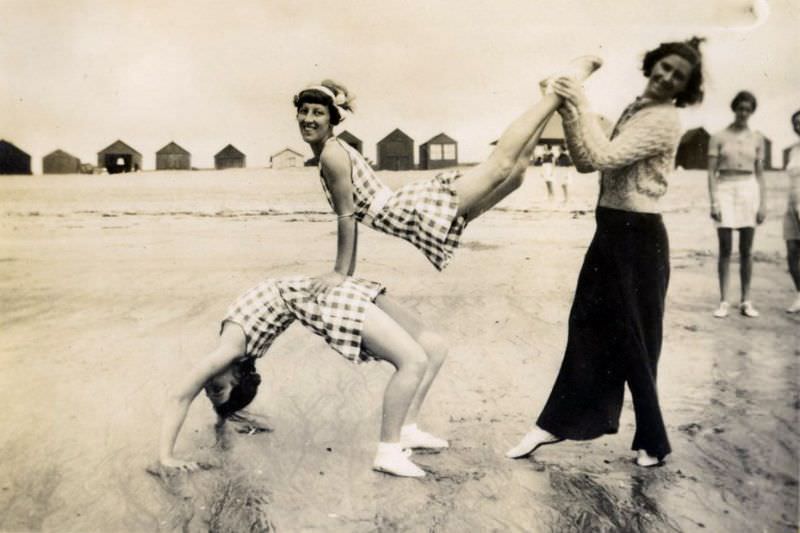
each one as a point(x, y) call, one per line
point(369, 193)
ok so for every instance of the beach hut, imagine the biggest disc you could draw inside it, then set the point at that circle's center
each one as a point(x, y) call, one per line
point(693, 149)
point(439, 152)
point(352, 140)
point(60, 162)
point(767, 153)
point(553, 134)
point(229, 157)
point(286, 158)
point(785, 158)
point(396, 152)
point(13, 160)
point(119, 157)
point(173, 157)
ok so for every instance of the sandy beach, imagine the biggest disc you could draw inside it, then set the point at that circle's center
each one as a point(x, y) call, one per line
point(111, 286)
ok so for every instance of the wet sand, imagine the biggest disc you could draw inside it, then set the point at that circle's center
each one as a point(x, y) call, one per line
point(112, 285)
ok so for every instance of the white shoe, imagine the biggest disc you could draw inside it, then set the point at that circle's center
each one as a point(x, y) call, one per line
point(579, 68)
point(647, 460)
point(413, 437)
point(747, 309)
point(393, 459)
point(533, 440)
point(723, 310)
point(795, 307)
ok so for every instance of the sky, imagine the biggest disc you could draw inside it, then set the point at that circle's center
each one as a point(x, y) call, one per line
point(77, 75)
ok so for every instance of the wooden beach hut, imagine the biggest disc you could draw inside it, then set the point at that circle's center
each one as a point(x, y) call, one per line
point(13, 160)
point(286, 158)
point(60, 162)
point(693, 149)
point(786, 152)
point(352, 140)
point(396, 152)
point(229, 157)
point(767, 153)
point(119, 157)
point(440, 151)
point(173, 157)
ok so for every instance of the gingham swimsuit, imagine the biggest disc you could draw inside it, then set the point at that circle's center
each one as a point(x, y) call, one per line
point(266, 310)
point(422, 213)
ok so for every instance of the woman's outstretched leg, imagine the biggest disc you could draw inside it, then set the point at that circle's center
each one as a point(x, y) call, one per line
point(480, 181)
point(387, 340)
point(436, 351)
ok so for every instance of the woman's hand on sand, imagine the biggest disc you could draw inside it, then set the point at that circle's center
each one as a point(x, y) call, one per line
point(572, 92)
point(172, 464)
point(326, 282)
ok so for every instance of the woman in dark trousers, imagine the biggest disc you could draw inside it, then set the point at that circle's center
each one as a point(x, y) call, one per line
point(615, 325)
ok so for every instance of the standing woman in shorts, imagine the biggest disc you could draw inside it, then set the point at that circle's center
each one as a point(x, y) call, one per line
point(738, 199)
point(791, 221)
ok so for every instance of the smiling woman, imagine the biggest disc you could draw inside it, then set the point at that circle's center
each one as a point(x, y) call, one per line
point(615, 325)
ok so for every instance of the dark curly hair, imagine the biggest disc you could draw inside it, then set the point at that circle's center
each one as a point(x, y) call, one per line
point(795, 115)
point(744, 96)
point(315, 96)
point(244, 391)
point(690, 51)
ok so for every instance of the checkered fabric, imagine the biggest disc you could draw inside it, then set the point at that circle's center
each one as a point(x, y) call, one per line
point(266, 310)
point(422, 213)
point(365, 183)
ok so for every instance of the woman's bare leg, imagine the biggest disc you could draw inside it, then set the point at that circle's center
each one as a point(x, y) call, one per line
point(481, 180)
point(387, 340)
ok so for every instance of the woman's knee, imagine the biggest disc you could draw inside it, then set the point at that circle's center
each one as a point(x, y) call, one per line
point(414, 361)
point(435, 347)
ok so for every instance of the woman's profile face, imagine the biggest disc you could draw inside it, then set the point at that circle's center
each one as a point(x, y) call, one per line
point(668, 78)
point(314, 121)
point(218, 389)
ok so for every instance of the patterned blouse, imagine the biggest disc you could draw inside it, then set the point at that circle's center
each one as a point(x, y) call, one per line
point(635, 161)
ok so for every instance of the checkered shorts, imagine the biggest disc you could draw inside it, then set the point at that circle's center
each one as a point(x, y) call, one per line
point(266, 310)
point(424, 214)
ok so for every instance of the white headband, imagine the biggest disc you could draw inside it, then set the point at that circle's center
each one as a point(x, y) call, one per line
point(338, 99)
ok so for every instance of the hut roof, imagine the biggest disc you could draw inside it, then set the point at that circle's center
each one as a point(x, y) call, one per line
point(346, 136)
point(287, 149)
point(60, 153)
point(440, 139)
point(693, 133)
point(11, 146)
point(396, 135)
point(229, 151)
point(172, 149)
point(118, 147)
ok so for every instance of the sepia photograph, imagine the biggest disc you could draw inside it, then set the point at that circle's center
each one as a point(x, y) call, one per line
point(378, 266)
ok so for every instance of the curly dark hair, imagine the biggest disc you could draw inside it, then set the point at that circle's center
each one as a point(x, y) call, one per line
point(690, 51)
point(315, 96)
point(795, 115)
point(744, 96)
point(244, 391)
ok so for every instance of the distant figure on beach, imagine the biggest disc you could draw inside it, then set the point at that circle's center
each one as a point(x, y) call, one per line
point(615, 325)
point(791, 221)
point(357, 319)
point(548, 159)
point(564, 172)
point(738, 199)
point(430, 214)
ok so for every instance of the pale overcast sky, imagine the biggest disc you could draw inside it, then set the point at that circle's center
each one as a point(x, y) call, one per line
point(79, 74)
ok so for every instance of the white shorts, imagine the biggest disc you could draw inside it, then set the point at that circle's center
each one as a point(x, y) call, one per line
point(738, 201)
